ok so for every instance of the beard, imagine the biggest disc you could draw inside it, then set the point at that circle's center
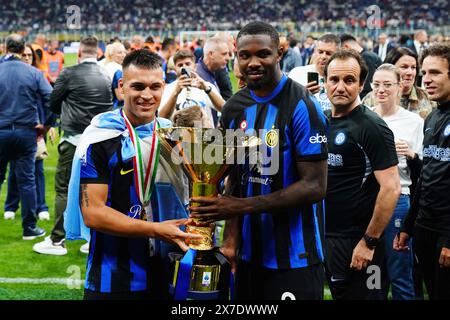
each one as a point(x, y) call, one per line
point(260, 84)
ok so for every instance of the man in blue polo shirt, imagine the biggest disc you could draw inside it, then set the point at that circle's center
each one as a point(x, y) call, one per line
point(274, 218)
point(21, 88)
point(215, 58)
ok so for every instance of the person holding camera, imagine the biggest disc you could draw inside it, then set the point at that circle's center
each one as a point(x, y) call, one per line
point(189, 89)
point(312, 75)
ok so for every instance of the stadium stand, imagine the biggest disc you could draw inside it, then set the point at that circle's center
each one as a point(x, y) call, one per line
point(156, 15)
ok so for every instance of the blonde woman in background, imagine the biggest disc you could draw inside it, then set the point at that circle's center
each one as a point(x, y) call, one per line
point(411, 97)
point(408, 133)
point(114, 55)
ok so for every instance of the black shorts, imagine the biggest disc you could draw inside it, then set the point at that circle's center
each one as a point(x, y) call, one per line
point(258, 283)
point(349, 284)
point(158, 282)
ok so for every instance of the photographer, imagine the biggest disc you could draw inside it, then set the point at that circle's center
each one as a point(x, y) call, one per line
point(189, 89)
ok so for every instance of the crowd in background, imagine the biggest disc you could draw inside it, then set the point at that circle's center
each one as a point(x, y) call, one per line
point(156, 15)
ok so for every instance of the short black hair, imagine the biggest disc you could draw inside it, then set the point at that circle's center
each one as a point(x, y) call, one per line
point(347, 37)
point(15, 44)
point(345, 54)
point(166, 43)
point(257, 28)
point(142, 58)
point(437, 50)
point(330, 38)
point(292, 42)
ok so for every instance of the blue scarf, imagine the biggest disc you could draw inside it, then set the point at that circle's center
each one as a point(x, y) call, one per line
point(103, 127)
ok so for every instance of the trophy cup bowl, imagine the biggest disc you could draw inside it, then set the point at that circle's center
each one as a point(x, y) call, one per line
point(206, 156)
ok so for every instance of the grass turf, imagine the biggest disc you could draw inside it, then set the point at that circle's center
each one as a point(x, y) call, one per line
point(38, 292)
point(18, 260)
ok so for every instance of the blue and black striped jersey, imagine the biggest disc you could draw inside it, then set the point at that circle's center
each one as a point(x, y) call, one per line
point(293, 128)
point(115, 264)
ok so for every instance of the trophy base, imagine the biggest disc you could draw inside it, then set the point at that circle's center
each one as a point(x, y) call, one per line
point(204, 277)
point(209, 278)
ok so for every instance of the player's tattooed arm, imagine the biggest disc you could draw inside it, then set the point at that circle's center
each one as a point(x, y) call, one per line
point(84, 198)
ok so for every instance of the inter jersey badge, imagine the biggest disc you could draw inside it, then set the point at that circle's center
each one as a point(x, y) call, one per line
point(272, 138)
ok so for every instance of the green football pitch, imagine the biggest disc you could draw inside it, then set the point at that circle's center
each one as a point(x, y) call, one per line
point(26, 275)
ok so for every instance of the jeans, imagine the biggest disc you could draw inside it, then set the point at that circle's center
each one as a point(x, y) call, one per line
point(18, 144)
point(12, 198)
point(399, 264)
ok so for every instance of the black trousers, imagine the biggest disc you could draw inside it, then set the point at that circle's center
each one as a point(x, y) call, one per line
point(427, 246)
point(258, 283)
point(66, 153)
point(349, 284)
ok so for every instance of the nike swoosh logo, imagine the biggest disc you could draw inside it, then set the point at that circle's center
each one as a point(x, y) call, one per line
point(122, 172)
point(333, 279)
point(427, 129)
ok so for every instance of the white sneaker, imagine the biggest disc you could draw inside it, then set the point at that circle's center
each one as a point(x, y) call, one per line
point(49, 247)
point(9, 215)
point(44, 215)
point(85, 248)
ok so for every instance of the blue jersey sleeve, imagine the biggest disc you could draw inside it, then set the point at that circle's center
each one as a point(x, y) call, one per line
point(94, 167)
point(309, 129)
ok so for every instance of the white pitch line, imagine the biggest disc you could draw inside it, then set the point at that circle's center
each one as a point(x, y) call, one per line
point(64, 281)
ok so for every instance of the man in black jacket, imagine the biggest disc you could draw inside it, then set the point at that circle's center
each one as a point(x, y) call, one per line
point(428, 219)
point(383, 47)
point(80, 93)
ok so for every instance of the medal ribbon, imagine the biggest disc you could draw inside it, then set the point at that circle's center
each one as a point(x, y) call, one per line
point(144, 176)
